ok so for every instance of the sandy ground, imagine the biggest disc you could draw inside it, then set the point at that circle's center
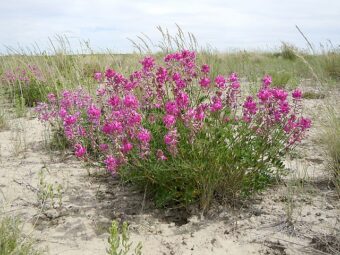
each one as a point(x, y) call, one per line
point(295, 217)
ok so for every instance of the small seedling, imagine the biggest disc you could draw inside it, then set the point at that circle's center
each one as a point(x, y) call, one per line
point(119, 241)
point(48, 193)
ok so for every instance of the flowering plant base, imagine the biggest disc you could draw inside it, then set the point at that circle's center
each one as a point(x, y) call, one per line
point(186, 136)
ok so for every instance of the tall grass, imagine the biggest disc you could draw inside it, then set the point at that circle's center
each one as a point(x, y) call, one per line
point(332, 142)
point(12, 242)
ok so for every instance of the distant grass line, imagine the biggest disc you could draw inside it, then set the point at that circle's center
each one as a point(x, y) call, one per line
point(63, 68)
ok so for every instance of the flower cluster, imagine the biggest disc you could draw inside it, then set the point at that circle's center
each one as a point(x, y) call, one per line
point(153, 111)
point(23, 75)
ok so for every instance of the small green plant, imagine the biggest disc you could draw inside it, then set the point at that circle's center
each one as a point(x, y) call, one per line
point(119, 241)
point(58, 140)
point(20, 107)
point(48, 193)
point(313, 95)
point(12, 241)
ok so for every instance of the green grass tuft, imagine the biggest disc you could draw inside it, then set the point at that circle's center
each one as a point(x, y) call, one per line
point(12, 241)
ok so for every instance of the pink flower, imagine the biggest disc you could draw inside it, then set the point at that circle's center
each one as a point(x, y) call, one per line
point(250, 106)
point(199, 115)
point(284, 107)
point(204, 82)
point(62, 113)
point(70, 120)
point(160, 155)
point(180, 84)
point(233, 77)
point(134, 118)
point(279, 94)
point(79, 150)
point(114, 101)
point(205, 69)
point(176, 76)
point(118, 78)
point(130, 85)
point(169, 120)
point(171, 108)
point(216, 105)
point(51, 98)
point(126, 147)
point(297, 94)
point(169, 139)
point(109, 73)
point(148, 63)
point(131, 101)
point(112, 127)
point(68, 131)
point(97, 76)
point(305, 123)
point(277, 116)
point(267, 80)
point(264, 95)
point(161, 75)
point(220, 81)
point(103, 147)
point(100, 91)
point(111, 164)
point(182, 100)
point(235, 85)
point(144, 136)
point(94, 113)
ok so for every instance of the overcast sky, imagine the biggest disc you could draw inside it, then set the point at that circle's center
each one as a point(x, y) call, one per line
point(225, 25)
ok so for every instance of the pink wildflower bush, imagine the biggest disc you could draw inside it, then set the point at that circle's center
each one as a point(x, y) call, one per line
point(181, 133)
point(27, 83)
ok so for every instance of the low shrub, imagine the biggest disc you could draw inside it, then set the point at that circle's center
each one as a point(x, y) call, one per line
point(175, 132)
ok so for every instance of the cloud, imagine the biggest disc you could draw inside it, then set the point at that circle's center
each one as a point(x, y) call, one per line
point(222, 24)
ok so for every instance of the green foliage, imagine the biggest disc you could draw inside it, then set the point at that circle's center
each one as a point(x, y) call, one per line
point(48, 194)
point(119, 241)
point(223, 163)
point(58, 141)
point(20, 107)
point(12, 242)
point(313, 95)
point(280, 79)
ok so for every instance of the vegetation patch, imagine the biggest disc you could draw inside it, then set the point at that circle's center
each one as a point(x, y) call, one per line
point(178, 133)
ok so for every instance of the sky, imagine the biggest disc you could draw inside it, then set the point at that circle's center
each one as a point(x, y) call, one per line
point(224, 25)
